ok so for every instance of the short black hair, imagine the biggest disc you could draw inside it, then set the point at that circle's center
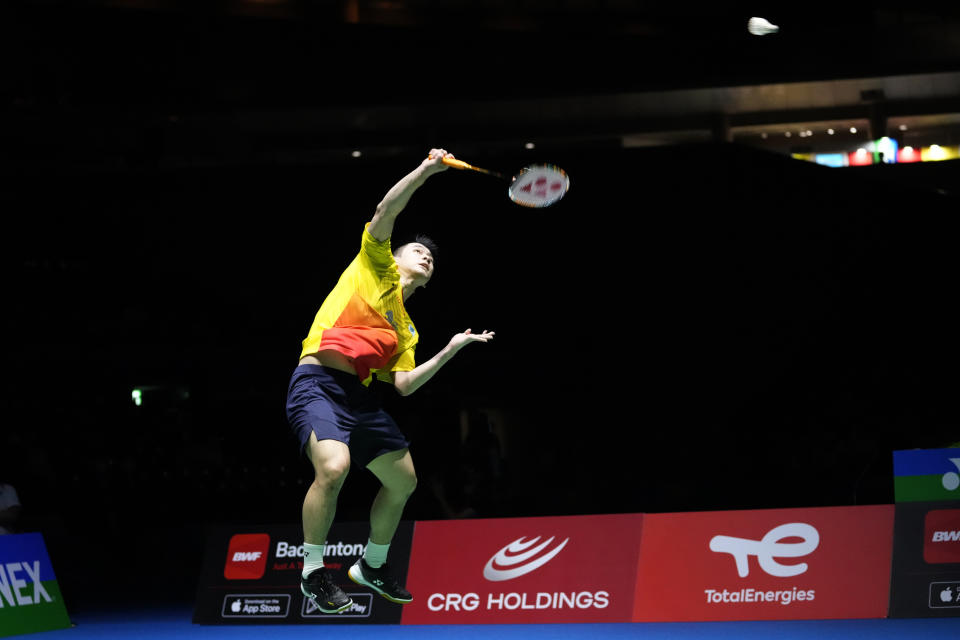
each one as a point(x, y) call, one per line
point(426, 241)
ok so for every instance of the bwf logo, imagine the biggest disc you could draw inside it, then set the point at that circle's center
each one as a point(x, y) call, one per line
point(520, 557)
point(946, 536)
point(941, 542)
point(247, 556)
point(770, 547)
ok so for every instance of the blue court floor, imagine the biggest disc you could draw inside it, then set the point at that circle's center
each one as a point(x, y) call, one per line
point(171, 623)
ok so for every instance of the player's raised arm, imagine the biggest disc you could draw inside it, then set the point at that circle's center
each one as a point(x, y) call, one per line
point(381, 225)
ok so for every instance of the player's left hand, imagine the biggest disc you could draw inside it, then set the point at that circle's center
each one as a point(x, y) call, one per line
point(461, 340)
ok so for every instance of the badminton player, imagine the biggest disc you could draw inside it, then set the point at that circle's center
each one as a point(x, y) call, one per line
point(362, 332)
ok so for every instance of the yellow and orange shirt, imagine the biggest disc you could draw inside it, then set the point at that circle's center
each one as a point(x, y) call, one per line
point(364, 318)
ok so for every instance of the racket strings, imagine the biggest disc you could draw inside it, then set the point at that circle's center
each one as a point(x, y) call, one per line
point(539, 186)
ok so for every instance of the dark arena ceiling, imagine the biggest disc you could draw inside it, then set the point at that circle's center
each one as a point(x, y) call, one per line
point(87, 81)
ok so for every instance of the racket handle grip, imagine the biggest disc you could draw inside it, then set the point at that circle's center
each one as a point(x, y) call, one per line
point(456, 164)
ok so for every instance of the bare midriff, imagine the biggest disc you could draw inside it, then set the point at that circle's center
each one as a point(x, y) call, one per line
point(332, 359)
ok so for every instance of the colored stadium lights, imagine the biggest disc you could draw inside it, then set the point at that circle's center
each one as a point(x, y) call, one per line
point(831, 159)
point(933, 153)
point(859, 158)
point(908, 154)
point(886, 149)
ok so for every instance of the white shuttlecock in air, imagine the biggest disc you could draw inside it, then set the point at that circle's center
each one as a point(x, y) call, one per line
point(761, 27)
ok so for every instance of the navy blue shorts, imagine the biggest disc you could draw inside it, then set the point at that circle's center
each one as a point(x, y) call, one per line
point(335, 405)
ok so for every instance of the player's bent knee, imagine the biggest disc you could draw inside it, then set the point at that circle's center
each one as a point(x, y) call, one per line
point(332, 473)
point(410, 485)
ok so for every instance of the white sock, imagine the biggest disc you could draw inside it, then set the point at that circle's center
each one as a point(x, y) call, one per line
point(375, 554)
point(312, 557)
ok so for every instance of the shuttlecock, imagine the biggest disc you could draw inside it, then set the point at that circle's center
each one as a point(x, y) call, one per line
point(761, 27)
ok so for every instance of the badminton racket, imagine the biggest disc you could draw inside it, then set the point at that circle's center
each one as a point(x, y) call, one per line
point(536, 185)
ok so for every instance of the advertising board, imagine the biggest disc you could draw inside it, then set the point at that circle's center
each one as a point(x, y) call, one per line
point(251, 575)
point(524, 570)
point(765, 565)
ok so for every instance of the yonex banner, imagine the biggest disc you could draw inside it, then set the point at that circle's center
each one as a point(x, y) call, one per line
point(765, 565)
point(524, 570)
point(30, 597)
point(251, 575)
point(926, 475)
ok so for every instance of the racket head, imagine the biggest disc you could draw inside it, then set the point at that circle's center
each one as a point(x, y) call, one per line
point(539, 185)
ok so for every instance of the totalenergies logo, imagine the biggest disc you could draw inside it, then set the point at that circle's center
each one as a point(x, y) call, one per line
point(769, 547)
point(520, 557)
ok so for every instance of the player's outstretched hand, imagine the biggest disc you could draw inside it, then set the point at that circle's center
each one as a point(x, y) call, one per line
point(461, 340)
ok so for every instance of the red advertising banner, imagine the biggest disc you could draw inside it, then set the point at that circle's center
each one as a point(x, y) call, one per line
point(765, 565)
point(524, 570)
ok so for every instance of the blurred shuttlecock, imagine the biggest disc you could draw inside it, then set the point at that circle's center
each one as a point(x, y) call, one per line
point(761, 27)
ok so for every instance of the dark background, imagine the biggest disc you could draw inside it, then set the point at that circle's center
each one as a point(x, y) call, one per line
point(692, 327)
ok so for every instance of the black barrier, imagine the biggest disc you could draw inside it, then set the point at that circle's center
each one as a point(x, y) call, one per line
point(926, 560)
point(251, 575)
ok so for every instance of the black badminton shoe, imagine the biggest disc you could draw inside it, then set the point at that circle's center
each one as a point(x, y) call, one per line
point(380, 581)
point(320, 587)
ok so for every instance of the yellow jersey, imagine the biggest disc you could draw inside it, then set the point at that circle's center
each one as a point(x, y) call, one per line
point(364, 317)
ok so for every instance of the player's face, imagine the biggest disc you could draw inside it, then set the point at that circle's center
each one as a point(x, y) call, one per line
point(417, 261)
